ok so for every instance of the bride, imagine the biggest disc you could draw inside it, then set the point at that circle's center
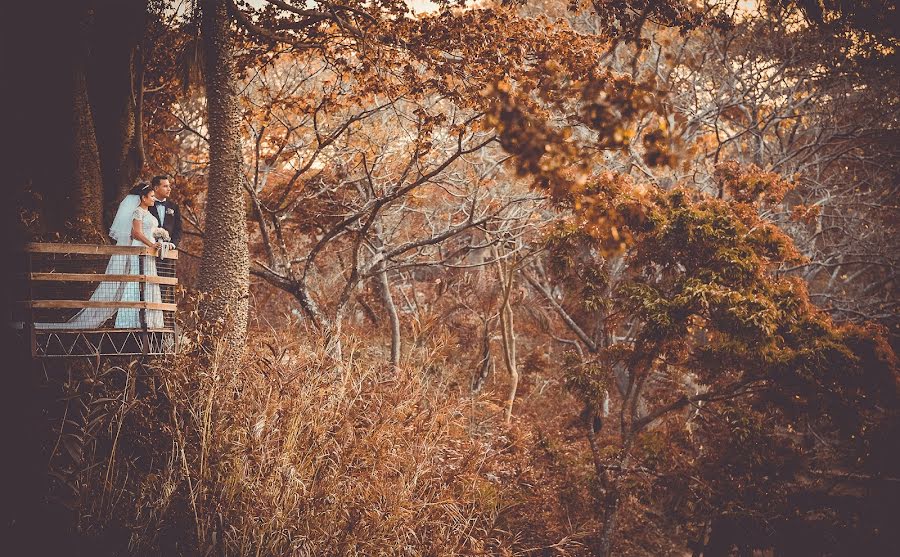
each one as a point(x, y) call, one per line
point(141, 234)
point(132, 226)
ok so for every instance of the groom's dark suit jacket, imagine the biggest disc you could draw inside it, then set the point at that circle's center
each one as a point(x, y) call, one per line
point(172, 220)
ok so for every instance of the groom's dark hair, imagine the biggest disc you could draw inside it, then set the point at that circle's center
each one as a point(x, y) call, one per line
point(157, 179)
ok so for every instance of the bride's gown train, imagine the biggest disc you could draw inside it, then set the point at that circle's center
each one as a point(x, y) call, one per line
point(114, 291)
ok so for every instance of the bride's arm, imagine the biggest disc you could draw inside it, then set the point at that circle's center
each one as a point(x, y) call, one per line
point(137, 234)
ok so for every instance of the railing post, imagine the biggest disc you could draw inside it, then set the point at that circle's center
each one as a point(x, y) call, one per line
point(142, 286)
point(29, 312)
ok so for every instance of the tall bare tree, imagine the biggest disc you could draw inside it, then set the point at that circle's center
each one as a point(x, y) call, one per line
point(225, 265)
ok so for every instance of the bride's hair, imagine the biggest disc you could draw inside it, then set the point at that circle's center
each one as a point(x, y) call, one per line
point(141, 189)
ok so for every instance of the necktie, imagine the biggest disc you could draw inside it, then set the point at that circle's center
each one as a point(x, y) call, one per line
point(161, 211)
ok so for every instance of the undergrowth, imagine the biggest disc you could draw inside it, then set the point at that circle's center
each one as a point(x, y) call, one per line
point(292, 454)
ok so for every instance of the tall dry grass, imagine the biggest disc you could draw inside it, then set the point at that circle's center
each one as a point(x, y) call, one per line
point(292, 454)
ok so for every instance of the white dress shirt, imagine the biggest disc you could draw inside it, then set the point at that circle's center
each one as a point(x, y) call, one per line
point(161, 211)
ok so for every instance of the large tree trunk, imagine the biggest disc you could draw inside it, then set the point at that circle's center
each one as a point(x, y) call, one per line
point(225, 265)
point(116, 92)
point(88, 195)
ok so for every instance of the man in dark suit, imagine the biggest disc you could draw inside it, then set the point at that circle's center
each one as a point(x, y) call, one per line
point(165, 210)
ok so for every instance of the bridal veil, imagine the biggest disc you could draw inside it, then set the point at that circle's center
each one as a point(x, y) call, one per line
point(107, 291)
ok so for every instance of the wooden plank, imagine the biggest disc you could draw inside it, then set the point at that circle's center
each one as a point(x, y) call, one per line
point(95, 249)
point(92, 249)
point(82, 304)
point(100, 277)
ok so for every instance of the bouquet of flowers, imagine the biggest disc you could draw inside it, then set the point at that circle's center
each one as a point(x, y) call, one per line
point(161, 234)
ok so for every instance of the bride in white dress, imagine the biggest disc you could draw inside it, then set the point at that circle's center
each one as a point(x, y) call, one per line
point(132, 226)
point(142, 225)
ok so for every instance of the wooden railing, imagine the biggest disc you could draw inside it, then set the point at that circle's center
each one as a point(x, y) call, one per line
point(93, 249)
point(61, 277)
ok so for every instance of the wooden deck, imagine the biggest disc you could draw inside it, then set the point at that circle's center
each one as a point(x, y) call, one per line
point(61, 279)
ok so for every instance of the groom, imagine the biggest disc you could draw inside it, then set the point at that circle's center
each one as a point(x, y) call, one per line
point(165, 210)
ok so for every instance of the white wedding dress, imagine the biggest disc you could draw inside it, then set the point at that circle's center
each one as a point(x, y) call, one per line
point(109, 291)
point(130, 318)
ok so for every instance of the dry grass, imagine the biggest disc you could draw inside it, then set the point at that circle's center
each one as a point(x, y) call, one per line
point(294, 454)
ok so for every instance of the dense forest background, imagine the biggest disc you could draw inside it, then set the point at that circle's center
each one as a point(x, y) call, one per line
point(519, 278)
